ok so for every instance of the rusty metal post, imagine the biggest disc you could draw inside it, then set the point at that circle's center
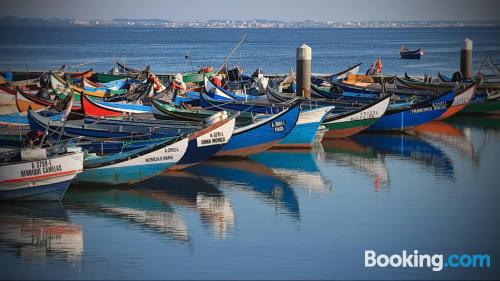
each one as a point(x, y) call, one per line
point(466, 59)
point(304, 57)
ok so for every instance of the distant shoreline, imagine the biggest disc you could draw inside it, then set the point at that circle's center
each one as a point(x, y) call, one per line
point(254, 28)
point(239, 24)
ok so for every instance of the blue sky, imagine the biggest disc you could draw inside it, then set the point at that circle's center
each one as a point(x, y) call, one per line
point(321, 10)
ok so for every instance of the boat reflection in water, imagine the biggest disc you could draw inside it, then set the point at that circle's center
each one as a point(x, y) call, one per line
point(130, 205)
point(40, 229)
point(488, 125)
point(406, 146)
point(360, 157)
point(250, 175)
point(296, 167)
point(185, 189)
point(448, 135)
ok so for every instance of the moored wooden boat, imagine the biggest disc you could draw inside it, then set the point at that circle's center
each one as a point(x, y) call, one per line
point(77, 76)
point(401, 119)
point(113, 85)
point(101, 109)
point(64, 88)
point(352, 122)
point(303, 135)
point(7, 96)
point(460, 101)
point(222, 94)
point(37, 176)
point(26, 101)
point(106, 77)
point(263, 134)
point(204, 141)
point(346, 72)
point(408, 54)
point(235, 105)
point(135, 165)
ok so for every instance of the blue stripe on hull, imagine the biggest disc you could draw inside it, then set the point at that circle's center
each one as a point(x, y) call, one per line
point(195, 154)
point(122, 175)
point(302, 135)
point(48, 192)
point(411, 118)
point(265, 133)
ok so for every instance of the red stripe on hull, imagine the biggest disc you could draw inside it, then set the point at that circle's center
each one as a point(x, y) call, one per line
point(452, 111)
point(292, 145)
point(65, 173)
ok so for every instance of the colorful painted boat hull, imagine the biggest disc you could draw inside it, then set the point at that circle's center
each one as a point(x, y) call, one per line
point(46, 192)
point(356, 122)
point(110, 109)
point(417, 54)
point(13, 120)
point(105, 78)
point(42, 180)
point(261, 135)
point(415, 116)
point(7, 96)
point(303, 135)
point(460, 101)
point(222, 94)
point(206, 143)
point(483, 107)
point(142, 165)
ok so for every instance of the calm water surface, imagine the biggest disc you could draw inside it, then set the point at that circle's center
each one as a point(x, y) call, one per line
point(280, 214)
point(273, 49)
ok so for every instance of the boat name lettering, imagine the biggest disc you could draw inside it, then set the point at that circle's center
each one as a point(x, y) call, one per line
point(439, 105)
point(159, 158)
point(369, 114)
point(216, 134)
point(421, 110)
point(213, 138)
point(278, 126)
point(171, 149)
point(41, 168)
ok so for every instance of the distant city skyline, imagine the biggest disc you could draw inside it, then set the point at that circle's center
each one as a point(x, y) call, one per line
point(252, 23)
point(318, 10)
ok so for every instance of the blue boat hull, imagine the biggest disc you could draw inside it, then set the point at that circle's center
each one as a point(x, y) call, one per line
point(305, 131)
point(302, 135)
point(415, 55)
point(48, 192)
point(196, 154)
point(410, 118)
point(122, 175)
point(261, 137)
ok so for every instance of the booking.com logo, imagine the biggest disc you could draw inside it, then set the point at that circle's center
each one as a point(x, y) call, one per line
point(436, 261)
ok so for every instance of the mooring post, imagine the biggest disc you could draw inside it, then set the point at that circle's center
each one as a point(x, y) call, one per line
point(466, 59)
point(304, 57)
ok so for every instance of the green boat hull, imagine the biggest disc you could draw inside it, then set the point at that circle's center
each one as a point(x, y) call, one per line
point(491, 107)
point(104, 77)
point(244, 118)
point(348, 128)
point(195, 77)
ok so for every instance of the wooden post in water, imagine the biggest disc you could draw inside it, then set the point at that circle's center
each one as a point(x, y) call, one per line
point(304, 57)
point(466, 59)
